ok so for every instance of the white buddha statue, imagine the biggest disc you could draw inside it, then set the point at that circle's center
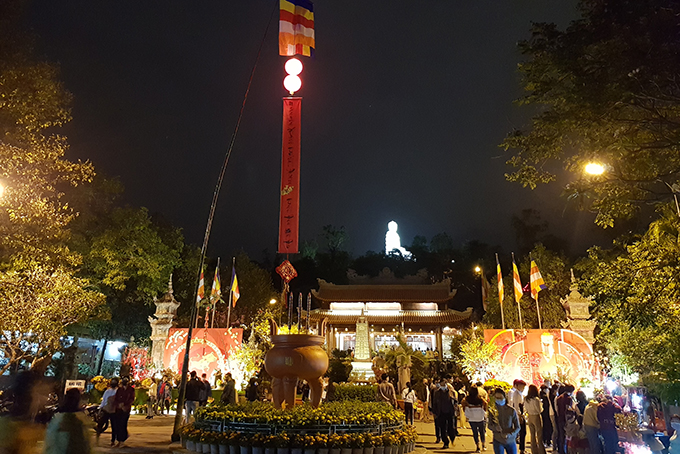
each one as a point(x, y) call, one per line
point(392, 241)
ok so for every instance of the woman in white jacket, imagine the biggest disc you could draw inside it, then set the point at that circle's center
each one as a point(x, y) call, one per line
point(475, 408)
point(534, 407)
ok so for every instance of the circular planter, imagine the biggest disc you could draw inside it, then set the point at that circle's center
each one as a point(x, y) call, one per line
point(292, 357)
point(233, 449)
point(322, 451)
point(379, 450)
point(224, 449)
point(190, 445)
point(282, 450)
point(357, 450)
point(309, 451)
point(335, 451)
point(205, 448)
point(258, 450)
point(244, 450)
point(295, 450)
point(269, 450)
point(345, 450)
point(369, 449)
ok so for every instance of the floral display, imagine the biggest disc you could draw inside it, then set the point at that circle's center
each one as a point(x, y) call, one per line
point(347, 412)
point(100, 383)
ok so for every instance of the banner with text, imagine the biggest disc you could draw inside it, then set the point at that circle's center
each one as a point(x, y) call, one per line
point(289, 220)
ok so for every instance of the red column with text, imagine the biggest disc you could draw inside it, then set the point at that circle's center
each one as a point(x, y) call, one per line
point(289, 219)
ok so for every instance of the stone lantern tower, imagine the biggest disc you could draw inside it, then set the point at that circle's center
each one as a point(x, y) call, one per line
point(161, 322)
point(578, 312)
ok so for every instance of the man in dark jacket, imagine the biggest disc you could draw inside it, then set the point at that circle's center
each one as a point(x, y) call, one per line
point(229, 393)
point(193, 396)
point(206, 392)
point(443, 409)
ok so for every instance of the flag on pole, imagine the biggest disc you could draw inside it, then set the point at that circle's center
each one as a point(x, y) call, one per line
point(501, 292)
point(201, 290)
point(235, 294)
point(486, 288)
point(216, 292)
point(296, 28)
point(516, 282)
point(537, 283)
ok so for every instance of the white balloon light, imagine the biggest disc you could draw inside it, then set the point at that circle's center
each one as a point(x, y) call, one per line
point(293, 67)
point(292, 83)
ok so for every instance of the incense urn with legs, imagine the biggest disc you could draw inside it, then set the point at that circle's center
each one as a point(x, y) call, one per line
point(294, 357)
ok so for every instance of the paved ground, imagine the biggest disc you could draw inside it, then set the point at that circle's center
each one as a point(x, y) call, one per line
point(153, 436)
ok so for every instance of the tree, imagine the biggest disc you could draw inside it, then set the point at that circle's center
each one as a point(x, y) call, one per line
point(38, 303)
point(606, 89)
point(636, 292)
point(555, 272)
point(481, 361)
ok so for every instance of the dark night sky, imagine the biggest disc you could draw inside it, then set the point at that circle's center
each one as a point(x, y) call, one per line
point(404, 106)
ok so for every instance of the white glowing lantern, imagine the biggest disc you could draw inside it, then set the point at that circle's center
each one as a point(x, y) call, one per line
point(292, 83)
point(293, 67)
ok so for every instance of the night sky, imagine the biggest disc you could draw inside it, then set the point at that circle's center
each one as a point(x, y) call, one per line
point(404, 106)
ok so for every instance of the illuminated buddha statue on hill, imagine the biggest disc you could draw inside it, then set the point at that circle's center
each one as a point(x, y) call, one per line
point(393, 242)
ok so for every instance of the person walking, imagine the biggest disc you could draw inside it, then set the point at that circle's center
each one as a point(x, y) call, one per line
point(423, 393)
point(151, 404)
point(606, 412)
point(504, 424)
point(516, 401)
point(107, 410)
point(591, 425)
point(125, 396)
point(164, 396)
point(193, 396)
point(386, 391)
point(409, 397)
point(433, 388)
point(534, 409)
point(67, 433)
point(206, 392)
point(545, 415)
point(443, 409)
point(229, 392)
point(475, 409)
point(563, 404)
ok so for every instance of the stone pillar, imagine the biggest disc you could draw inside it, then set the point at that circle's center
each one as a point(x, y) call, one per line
point(161, 322)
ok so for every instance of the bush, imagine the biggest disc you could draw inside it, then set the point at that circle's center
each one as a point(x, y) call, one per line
point(362, 393)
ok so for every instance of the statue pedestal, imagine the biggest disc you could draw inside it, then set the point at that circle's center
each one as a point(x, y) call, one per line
point(362, 371)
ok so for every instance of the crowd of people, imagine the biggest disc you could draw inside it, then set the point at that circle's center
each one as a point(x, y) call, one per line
point(558, 416)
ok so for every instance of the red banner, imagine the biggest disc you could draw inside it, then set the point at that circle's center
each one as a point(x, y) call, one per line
point(289, 220)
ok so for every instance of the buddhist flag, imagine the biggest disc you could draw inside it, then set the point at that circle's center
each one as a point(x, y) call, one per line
point(296, 28)
point(216, 292)
point(201, 290)
point(501, 292)
point(516, 282)
point(235, 294)
point(537, 283)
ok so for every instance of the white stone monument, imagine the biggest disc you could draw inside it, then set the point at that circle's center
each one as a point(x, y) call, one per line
point(393, 242)
point(161, 322)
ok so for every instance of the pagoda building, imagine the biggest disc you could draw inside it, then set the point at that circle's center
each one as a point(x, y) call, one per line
point(410, 306)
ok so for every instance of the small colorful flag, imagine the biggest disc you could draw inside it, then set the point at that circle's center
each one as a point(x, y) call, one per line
point(235, 294)
point(501, 291)
point(516, 282)
point(216, 293)
point(201, 290)
point(537, 283)
point(296, 28)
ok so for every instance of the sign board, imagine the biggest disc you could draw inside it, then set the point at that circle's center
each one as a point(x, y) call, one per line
point(80, 384)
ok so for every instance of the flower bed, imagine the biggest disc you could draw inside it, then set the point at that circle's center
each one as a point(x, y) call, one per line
point(334, 428)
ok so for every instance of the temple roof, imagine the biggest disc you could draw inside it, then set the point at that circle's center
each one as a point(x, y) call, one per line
point(393, 317)
point(418, 293)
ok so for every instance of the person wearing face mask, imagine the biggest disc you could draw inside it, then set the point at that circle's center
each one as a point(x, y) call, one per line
point(504, 424)
point(674, 447)
point(443, 409)
point(516, 401)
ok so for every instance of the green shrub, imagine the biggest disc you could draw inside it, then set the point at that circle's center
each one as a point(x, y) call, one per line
point(362, 393)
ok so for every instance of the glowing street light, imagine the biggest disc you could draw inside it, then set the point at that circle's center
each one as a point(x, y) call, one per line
point(478, 269)
point(272, 301)
point(2, 189)
point(293, 67)
point(594, 168)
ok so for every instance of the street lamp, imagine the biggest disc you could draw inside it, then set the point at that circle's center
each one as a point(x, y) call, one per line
point(594, 168)
point(272, 301)
point(478, 269)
